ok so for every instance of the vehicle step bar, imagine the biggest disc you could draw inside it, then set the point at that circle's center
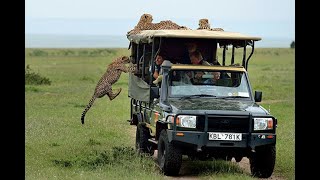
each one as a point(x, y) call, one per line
point(153, 140)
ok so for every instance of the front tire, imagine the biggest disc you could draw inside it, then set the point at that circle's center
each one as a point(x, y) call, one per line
point(142, 143)
point(262, 161)
point(169, 157)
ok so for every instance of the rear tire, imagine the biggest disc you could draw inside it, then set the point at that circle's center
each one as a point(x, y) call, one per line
point(142, 143)
point(169, 157)
point(262, 161)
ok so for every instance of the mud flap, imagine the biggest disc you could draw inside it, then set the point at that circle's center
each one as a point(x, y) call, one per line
point(136, 120)
point(133, 121)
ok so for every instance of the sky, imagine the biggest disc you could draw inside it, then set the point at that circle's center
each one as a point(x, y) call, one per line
point(264, 18)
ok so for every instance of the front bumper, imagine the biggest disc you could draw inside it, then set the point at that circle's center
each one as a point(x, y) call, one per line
point(201, 140)
point(232, 123)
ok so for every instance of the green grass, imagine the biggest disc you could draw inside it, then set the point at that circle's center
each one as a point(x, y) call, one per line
point(58, 146)
point(272, 71)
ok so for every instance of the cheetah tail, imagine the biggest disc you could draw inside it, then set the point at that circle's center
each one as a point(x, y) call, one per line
point(87, 108)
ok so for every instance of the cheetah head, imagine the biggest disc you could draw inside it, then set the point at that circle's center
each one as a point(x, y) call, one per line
point(204, 23)
point(146, 18)
point(125, 59)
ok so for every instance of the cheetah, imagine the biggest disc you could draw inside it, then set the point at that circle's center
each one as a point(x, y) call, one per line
point(104, 86)
point(217, 29)
point(204, 24)
point(145, 23)
point(168, 24)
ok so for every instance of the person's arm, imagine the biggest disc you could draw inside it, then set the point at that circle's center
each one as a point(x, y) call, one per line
point(204, 62)
point(199, 75)
point(155, 74)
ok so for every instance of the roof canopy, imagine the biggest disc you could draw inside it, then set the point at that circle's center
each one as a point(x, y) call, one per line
point(146, 36)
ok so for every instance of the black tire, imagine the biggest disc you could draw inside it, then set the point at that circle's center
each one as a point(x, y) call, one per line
point(262, 161)
point(143, 146)
point(169, 157)
point(227, 158)
point(238, 158)
point(204, 157)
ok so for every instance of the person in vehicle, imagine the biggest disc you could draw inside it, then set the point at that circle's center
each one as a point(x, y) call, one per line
point(159, 60)
point(213, 80)
point(157, 70)
point(190, 48)
point(197, 59)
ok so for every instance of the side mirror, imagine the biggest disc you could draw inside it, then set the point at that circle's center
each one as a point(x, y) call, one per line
point(154, 92)
point(257, 96)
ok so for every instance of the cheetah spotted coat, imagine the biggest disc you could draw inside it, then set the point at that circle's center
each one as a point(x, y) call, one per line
point(104, 86)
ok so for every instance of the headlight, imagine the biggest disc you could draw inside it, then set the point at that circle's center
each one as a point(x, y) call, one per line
point(262, 124)
point(187, 121)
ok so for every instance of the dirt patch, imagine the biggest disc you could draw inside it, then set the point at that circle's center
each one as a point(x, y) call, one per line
point(245, 165)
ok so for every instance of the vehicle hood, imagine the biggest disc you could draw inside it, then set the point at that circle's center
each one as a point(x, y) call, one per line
point(216, 104)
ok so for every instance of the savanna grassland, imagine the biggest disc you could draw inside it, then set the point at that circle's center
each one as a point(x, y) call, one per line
point(58, 146)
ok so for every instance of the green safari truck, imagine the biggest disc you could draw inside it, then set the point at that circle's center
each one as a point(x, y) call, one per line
point(212, 116)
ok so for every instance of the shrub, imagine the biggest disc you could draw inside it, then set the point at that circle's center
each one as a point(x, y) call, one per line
point(292, 45)
point(38, 52)
point(33, 78)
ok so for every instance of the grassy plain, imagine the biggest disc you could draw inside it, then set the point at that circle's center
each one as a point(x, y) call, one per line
point(58, 146)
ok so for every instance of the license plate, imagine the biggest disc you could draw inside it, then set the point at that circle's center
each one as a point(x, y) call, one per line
point(225, 136)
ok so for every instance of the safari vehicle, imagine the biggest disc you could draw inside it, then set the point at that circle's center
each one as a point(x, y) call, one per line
point(185, 115)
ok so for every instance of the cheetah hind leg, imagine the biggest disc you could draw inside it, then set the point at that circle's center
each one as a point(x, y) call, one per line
point(114, 94)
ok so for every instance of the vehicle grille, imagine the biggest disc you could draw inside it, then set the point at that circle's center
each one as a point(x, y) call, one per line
point(237, 124)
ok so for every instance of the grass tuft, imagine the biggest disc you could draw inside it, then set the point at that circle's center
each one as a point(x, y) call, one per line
point(63, 163)
point(33, 78)
point(31, 89)
point(125, 157)
point(54, 144)
point(208, 167)
point(93, 142)
point(95, 160)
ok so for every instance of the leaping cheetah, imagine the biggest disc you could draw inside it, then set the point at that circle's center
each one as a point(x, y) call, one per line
point(104, 86)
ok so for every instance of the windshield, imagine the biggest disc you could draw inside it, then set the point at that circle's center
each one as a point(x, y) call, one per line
point(205, 83)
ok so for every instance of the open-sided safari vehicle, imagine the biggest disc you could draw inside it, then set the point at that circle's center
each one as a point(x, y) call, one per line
point(199, 117)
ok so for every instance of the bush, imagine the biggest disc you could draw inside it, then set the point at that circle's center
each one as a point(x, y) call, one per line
point(33, 78)
point(292, 45)
point(38, 52)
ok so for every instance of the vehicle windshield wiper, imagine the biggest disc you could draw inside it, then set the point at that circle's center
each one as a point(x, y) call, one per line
point(197, 95)
point(225, 97)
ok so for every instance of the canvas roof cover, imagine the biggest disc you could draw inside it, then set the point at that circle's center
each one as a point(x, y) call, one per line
point(138, 89)
point(146, 36)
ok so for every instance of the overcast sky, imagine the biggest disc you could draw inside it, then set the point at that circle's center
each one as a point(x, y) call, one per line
point(272, 18)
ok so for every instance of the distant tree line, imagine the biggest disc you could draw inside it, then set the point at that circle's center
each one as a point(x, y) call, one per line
point(292, 45)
